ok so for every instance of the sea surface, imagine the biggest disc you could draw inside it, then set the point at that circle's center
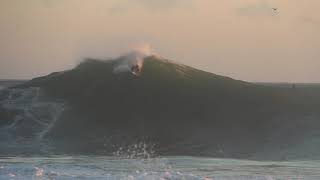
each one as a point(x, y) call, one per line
point(161, 168)
point(118, 167)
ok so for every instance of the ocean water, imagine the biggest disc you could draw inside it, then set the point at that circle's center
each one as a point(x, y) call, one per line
point(161, 168)
point(126, 164)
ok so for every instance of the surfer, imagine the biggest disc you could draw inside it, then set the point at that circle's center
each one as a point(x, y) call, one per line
point(275, 10)
point(135, 69)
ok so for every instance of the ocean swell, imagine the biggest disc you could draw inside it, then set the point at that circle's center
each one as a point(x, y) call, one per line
point(178, 109)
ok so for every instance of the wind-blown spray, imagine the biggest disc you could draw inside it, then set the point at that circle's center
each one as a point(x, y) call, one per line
point(133, 61)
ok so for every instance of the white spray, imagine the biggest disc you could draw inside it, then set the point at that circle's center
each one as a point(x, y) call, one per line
point(133, 61)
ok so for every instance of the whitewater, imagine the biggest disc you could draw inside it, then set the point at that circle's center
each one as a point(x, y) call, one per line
point(161, 168)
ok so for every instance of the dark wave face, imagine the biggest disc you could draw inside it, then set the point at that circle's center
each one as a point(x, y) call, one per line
point(100, 106)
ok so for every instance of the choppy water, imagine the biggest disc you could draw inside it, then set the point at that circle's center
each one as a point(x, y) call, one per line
point(164, 168)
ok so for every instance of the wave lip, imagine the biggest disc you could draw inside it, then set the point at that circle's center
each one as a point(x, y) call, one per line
point(133, 61)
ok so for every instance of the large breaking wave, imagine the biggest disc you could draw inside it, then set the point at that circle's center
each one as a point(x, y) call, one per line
point(101, 107)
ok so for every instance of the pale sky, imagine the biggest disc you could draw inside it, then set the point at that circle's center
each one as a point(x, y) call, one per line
point(243, 39)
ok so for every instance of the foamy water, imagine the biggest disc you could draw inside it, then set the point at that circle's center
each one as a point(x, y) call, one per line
point(164, 168)
point(40, 116)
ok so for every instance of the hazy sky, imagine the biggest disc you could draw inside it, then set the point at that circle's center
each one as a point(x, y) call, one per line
point(244, 39)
